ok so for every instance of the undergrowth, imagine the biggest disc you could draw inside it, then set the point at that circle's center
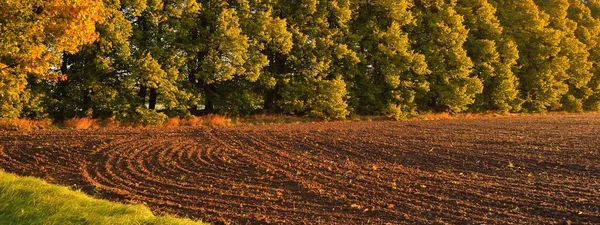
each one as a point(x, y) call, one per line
point(214, 120)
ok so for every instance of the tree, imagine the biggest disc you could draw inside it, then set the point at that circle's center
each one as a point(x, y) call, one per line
point(441, 35)
point(576, 52)
point(542, 68)
point(158, 62)
point(227, 49)
point(268, 41)
point(391, 75)
point(317, 60)
point(594, 6)
point(34, 36)
point(98, 81)
point(588, 32)
point(494, 56)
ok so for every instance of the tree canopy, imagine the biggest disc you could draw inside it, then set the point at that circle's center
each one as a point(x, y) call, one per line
point(132, 59)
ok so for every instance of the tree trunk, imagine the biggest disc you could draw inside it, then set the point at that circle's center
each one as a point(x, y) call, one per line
point(209, 94)
point(276, 66)
point(269, 101)
point(209, 106)
point(65, 62)
point(61, 91)
point(153, 95)
point(87, 102)
point(142, 94)
point(270, 98)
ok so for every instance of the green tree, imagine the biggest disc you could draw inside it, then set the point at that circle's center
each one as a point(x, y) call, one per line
point(588, 32)
point(390, 75)
point(106, 78)
point(98, 81)
point(316, 62)
point(268, 38)
point(157, 60)
point(542, 68)
point(228, 49)
point(576, 52)
point(494, 56)
point(440, 35)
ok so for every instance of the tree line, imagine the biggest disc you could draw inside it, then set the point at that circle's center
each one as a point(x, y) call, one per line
point(130, 59)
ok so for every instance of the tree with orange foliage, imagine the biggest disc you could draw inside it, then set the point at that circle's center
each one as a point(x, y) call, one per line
point(34, 34)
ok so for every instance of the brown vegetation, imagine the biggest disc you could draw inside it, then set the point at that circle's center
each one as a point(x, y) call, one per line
point(214, 120)
point(24, 124)
point(81, 123)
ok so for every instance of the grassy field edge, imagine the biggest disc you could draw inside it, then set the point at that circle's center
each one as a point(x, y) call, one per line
point(213, 120)
point(28, 200)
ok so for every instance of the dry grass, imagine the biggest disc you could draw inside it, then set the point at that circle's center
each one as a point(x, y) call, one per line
point(85, 123)
point(173, 122)
point(261, 119)
point(193, 121)
point(449, 116)
point(110, 123)
point(81, 123)
point(24, 124)
point(214, 120)
point(436, 116)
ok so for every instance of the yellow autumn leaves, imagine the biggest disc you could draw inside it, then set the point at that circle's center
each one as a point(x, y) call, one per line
point(35, 33)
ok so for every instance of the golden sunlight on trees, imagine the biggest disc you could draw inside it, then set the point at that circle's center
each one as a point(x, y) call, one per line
point(130, 59)
point(34, 36)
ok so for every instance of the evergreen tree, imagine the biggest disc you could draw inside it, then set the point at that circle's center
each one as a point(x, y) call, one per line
point(440, 36)
point(494, 56)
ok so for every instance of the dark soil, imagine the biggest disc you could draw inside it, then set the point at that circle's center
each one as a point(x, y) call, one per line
point(512, 170)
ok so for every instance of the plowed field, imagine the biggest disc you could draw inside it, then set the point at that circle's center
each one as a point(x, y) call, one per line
point(523, 170)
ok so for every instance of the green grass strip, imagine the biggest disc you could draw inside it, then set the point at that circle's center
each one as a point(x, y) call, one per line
point(28, 200)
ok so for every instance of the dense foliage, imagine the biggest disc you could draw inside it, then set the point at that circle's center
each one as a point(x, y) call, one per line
point(141, 60)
